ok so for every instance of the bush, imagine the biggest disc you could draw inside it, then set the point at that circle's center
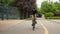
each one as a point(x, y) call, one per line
point(53, 17)
point(49, 14)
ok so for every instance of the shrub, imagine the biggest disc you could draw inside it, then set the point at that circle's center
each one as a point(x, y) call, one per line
point(49, 14)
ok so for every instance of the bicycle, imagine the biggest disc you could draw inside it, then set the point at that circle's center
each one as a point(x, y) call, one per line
point(33, 24)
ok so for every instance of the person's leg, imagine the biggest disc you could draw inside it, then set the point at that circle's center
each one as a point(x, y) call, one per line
point(33, 27)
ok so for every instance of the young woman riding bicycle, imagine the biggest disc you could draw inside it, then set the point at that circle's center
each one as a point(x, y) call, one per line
point(34, 12)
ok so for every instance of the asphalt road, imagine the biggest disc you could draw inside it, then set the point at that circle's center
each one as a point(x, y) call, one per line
point(42, 27)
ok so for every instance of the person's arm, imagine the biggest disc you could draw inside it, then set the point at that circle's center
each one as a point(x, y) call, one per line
point(32, 17)
point(35, 16)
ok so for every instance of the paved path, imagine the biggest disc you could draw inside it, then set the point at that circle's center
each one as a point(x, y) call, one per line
point(24, 27)
point(8, 23)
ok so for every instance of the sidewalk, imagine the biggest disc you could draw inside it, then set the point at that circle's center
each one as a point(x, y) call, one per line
point(56, 21)
point(9, 23)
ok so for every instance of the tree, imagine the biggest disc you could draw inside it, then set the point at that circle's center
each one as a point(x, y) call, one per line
point(7, 1)
point(25, 6)
point(57, 6)
point(47, 7)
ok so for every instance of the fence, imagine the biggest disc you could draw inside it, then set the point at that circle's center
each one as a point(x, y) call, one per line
point(9, 12)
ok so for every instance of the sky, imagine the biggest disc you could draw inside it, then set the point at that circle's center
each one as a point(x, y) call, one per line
point(40, 1)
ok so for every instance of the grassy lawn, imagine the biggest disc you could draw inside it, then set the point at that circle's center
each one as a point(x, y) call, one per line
point(55, 17)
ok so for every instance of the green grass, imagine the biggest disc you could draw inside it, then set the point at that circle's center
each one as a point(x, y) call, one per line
point(55, 17)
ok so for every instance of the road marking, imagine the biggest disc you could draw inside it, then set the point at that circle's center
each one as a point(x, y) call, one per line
point(46, 31)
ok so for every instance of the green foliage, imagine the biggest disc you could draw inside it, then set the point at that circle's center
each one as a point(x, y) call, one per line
point(7, 1)
point(49, 7)
point(49, 14)
point(57, 5)
point(53, 17)
point(46, 7)
point(41, 11)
